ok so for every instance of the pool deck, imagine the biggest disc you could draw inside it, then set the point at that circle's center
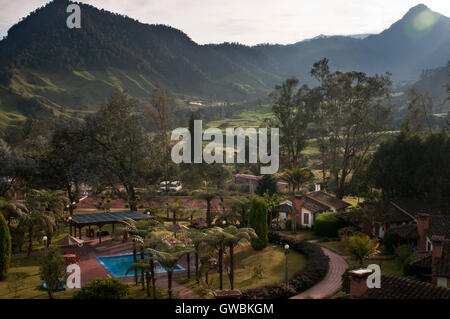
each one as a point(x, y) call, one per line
point(92, 269)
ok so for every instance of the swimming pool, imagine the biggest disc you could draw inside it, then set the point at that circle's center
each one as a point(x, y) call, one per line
point(117, 265)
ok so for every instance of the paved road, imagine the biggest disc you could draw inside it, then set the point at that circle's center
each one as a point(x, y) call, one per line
point(332, 280)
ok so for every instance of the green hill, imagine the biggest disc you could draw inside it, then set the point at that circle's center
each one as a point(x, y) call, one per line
point(47, 69)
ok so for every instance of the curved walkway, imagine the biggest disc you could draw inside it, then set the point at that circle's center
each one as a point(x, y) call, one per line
point(331, 282)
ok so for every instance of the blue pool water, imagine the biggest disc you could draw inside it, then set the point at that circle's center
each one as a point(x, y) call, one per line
point(117, 265)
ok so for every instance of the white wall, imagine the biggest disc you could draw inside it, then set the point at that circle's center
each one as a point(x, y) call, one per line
point(442, 282)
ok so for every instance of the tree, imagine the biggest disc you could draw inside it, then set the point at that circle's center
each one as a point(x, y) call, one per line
point(121, 150)
point(420, 106)
point(137, 235)
point(176, 210)
point(50, 203)
point(360, 247)
point(414, 166)
point(5, 247)
point(197, 238)
point(43, 210)
point(267, 184)
point(235, 236)
point(65, 165)
point(291, 116)
point(215, 238)
point(349, 118)
point(53, 270)
point(271, 201)
point(168, 259)
point(158, 114)
point(241, 204)
point(296, 178)
point(208, 196)
point(11, 209)
point(257, 220)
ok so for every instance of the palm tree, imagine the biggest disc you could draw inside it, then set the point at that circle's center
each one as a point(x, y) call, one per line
point(168, 259)
point(41, 211)
point(207, 196)
point(234, 237)
point(137, 236)
point(197, 238)
point(272, 201)
point(361, 246)
point(296, 178)
point(216, 240)
point(11, 209)
point(51, 203)
point(31, 221)
point(241, 204)
point(175, 208)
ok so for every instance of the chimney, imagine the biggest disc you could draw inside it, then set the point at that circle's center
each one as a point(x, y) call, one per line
point(358, 282)
point(423, 223)
point(437, 242)
point(317, 187)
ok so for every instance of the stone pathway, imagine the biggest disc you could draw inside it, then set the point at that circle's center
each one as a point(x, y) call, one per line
point(332, 280)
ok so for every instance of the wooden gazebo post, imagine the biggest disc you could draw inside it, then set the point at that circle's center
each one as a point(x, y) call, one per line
point(100, 233)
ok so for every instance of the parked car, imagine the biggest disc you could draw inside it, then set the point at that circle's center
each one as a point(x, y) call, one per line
point(174, 186)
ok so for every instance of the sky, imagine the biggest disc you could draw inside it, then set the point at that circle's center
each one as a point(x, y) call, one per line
point(249, 21)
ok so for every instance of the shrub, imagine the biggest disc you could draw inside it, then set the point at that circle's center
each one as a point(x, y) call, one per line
point(403, 257)
point(257, 219)
point(390, 241)
point(289, 224)
point(5, 247)
point(327, 225)
point(278, 291)
point(110, 288)
point(53, 270)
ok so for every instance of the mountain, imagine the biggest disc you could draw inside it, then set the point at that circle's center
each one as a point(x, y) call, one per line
point(47, 69)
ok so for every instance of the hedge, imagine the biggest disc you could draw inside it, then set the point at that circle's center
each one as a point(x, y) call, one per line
point(328, 225)
point(316, 268)
point(5, 247)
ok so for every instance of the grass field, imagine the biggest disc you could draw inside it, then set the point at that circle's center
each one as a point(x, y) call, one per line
point(271, 260)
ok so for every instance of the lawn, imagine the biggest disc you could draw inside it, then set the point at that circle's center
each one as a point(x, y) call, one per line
point(388, 266)
point(271, 260)
point(23, 281)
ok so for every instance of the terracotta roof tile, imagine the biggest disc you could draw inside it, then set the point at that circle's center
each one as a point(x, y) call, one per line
point(328, 199)
point(393, 287)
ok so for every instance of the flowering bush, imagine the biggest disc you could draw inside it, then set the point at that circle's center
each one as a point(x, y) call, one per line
point(315, 270)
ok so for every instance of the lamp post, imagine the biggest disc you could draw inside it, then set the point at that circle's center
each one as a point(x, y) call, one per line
point(286, 252)
point(70, 225)
point(45, 238)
